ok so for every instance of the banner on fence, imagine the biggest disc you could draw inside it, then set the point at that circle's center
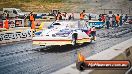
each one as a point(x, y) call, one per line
point(18, 35)
point(15, 23)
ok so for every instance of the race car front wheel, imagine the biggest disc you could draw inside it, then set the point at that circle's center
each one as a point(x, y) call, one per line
point(80, 66)
point(73, 41)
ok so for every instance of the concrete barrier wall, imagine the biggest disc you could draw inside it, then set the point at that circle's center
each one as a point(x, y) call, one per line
point(121, 51)
point(126, 55)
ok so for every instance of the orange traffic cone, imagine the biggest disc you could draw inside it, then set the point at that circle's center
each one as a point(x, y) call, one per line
point(81, 58)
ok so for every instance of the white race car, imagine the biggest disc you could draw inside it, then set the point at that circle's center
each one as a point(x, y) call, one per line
point(61, 33)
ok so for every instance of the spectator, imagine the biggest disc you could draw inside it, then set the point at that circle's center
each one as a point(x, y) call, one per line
point(72, 16)
point(99, 17)
point(6, 25)
point(33, 25)
point(93, 32)
point(89, 17)
point(7, 15)
point(85, 26)
point(4, 16)
point(82, 15)
point(103, 18)
point(1, 21)
point(31, 20)
point(125, 19)
point(121, 19)
point(113, 21)
point(59, 16)
point(107, 21)
point(66, 16)
point(117, 19)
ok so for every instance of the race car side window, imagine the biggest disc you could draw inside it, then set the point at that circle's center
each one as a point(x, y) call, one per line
point(56, 24)
point(52, 25)
point(14, 11)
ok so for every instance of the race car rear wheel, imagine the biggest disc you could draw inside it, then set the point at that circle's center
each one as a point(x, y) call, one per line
point(73, 41)
point(90, 39)
point(74, 38)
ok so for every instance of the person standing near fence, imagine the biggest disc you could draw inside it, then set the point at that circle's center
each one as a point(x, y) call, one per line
point(103, 18)
point(7, 15)
point(125, 19)
point(89, 17)
point(31, 18)
point(121, 19)
point(107, 21)
point(59, 16)
point(82, 15)
point(99, 17)
point(66, 16)
point(93, 32)
point(6, 25)
point(72, 16)
point(4, 16)
point(117, 20)
point(113, 21)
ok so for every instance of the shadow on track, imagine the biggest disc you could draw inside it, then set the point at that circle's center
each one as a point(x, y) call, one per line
point(61, 49)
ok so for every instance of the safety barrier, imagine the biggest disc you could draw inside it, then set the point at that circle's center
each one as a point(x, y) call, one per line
point(16, 35)
point(121, 51)
point(126, 55)
point(97, 24)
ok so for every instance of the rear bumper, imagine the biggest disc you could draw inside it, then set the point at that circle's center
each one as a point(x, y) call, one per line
point(59, 42)
point(51, 42)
